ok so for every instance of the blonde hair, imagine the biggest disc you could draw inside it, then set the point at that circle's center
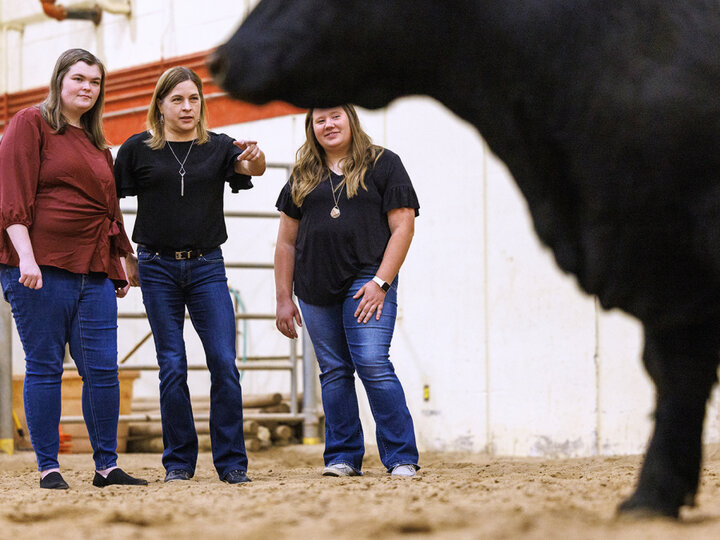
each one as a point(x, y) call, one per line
point(167, 81)
point(310, 168)
point(51, 108)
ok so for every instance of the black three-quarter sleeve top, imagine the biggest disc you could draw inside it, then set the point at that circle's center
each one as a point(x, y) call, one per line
point(331, 252)
point(169, 215)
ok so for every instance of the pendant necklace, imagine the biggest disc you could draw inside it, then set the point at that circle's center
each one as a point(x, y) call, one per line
point(335, 212)
point(182, 165)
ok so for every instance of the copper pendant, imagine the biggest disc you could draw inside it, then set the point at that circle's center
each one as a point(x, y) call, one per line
point(335, 212)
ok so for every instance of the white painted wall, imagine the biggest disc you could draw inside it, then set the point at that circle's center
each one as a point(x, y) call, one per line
point(516, 359)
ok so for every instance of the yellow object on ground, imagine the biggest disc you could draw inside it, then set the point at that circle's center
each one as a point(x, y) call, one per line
point(7, 446)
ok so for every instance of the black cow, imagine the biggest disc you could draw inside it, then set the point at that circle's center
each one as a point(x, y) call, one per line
point(607, 114)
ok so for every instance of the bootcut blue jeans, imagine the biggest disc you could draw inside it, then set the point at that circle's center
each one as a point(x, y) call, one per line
point(168, 286)
point(81, 310)
point(344, 347)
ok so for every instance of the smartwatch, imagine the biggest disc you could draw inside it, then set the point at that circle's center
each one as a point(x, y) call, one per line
point(384, 285)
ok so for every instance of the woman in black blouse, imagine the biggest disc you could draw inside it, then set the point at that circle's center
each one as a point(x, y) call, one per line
point(178, 170)
point(347, 220)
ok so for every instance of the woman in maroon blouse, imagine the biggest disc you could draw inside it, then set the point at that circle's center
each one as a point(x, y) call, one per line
point(62, 251)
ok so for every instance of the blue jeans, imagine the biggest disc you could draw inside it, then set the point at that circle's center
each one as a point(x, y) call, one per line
point(81, 310)
point(343, 346)
point(168, 286)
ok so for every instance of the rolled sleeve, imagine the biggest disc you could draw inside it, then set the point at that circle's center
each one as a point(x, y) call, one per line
point(20, 150)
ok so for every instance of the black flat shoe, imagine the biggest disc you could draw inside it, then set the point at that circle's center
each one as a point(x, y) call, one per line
point(177, 474)
point(54, 480)
point(236, 477)
point(117, 477)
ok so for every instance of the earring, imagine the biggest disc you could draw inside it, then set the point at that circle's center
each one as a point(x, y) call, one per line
point(162, 118)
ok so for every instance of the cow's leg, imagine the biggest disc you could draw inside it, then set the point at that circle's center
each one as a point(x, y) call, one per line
point(683, 365)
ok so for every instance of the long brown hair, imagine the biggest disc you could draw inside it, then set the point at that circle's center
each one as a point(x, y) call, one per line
point(167, 81)
point(310, 168)
point(51, 108)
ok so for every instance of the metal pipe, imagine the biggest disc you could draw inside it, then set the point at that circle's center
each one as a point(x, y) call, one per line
point(249, 366)
point(120, 7)
point(248, 316)
point(287, 418)
point(7, 444)
point(311, 424)
point(293, 377)
point(250, 266)
point(60, 12)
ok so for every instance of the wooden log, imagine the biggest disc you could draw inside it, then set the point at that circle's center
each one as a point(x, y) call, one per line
point(252, 445)
point(263, 434)
point(202, 403)
point(279, 408)
point(250, 427)
point(281, 432)
point(251, 401)
point(282, 408)
point(270, 424)
point(154, 429)
point(286, 397)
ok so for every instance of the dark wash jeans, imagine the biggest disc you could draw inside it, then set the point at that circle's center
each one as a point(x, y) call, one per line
point(343, 346)
point(81, 310)
point(168, 286)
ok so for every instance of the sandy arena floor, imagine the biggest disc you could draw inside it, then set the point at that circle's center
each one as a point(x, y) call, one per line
point(456, 496)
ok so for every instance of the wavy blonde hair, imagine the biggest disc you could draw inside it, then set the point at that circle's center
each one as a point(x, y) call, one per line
point(167, 81)
point(310, 168)
point(51, 108)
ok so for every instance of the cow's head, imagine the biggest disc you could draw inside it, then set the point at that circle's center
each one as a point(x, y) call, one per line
point(326, 52)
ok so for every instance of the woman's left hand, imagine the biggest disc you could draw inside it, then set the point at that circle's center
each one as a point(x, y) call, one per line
point(120, 292)
point(251, 151)
point(372, 302)
point(252, 160)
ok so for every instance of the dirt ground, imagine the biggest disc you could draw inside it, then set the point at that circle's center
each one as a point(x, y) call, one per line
point(455, 496)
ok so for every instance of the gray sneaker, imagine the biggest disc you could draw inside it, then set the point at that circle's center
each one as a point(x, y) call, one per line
point(339, 469)
point(405, 471)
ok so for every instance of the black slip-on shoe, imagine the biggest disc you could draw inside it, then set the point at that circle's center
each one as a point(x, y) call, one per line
point(236, 477)
point(54, 480)
point(177, 474)
point(117, 477)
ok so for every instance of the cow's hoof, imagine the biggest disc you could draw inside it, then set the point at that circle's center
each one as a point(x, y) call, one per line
point(639, 507)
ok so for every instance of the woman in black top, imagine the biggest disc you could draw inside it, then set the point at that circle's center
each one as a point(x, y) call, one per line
point(178, 171)
point(347, 220)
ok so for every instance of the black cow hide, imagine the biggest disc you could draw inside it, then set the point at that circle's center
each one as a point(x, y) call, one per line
point(606, 113)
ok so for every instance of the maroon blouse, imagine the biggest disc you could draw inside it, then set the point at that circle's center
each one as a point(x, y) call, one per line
point(62, 188)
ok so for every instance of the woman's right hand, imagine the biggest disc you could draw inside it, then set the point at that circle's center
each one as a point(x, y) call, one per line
point(30, 274)
point(286, 315)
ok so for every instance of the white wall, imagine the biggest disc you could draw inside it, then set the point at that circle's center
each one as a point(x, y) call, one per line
point(516, 359)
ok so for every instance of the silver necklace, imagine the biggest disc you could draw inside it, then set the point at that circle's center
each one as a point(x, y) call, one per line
point(335, 212)
point(182, 166)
